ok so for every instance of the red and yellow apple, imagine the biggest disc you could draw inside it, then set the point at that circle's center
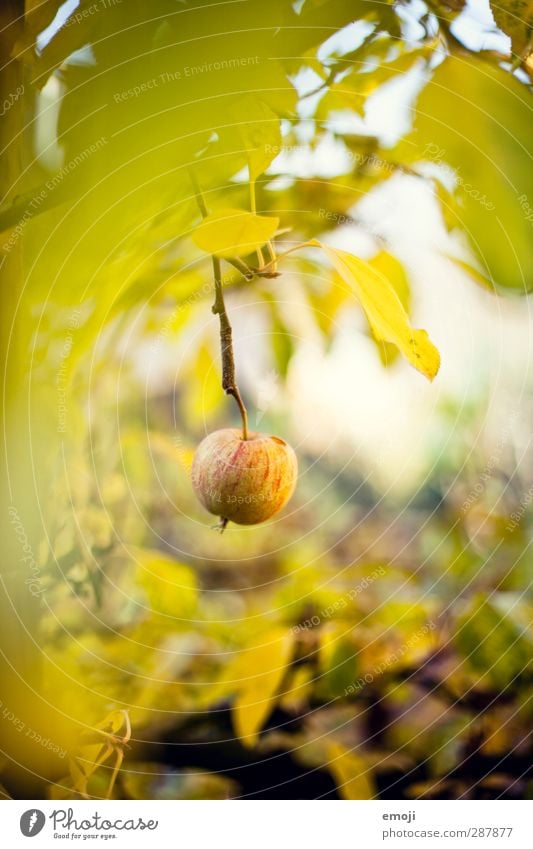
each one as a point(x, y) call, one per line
point(246, 481)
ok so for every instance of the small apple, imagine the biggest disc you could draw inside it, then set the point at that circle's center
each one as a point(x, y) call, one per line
point(244, 480)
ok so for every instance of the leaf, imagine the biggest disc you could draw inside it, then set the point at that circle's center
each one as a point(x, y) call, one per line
point(261, 669)
point(296, 697)
point(469, 269)
point(351, 773)
point(327, 305)
point(492, 637)
point(368, 72)
point(281, 340)
point(384, 310)
point(91, 755)
point(490, 164)
point(114, 722)
point(394, 271)
point(261, 134)
point(515, 19)
point(234, 232)
point(170, 586)
point(278, 92)
point(337, 659)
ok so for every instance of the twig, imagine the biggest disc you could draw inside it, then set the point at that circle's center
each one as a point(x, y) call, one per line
point(229, 383)
point(241, 266)
point(116, 770)
point(273, 262)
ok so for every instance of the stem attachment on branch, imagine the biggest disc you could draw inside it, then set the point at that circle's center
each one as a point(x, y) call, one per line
point(229, 383)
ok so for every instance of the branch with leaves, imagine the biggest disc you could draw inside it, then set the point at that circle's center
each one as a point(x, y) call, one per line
point(238, 232)
point(99, 744)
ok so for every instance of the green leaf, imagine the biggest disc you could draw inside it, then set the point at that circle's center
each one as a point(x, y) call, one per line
point(281, 339)
point(260, 670)
point(384, 310)
point(490, 161)
point(234, 232)
point(261, 134)
point(495, 638)
point(369, 69)
point(338, 663)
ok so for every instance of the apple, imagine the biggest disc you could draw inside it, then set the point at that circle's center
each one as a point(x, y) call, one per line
point(246, 481)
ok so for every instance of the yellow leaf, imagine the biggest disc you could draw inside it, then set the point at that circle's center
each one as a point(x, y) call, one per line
point(351, 773)
point(170, 586)
point(394, 271)
point(261, 669)
point(296, 696)
point(234, 232)
point(387, 264)
point(113, 722)
point(384, 310)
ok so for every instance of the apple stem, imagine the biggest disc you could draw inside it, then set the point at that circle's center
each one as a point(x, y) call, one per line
point(229, 383)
